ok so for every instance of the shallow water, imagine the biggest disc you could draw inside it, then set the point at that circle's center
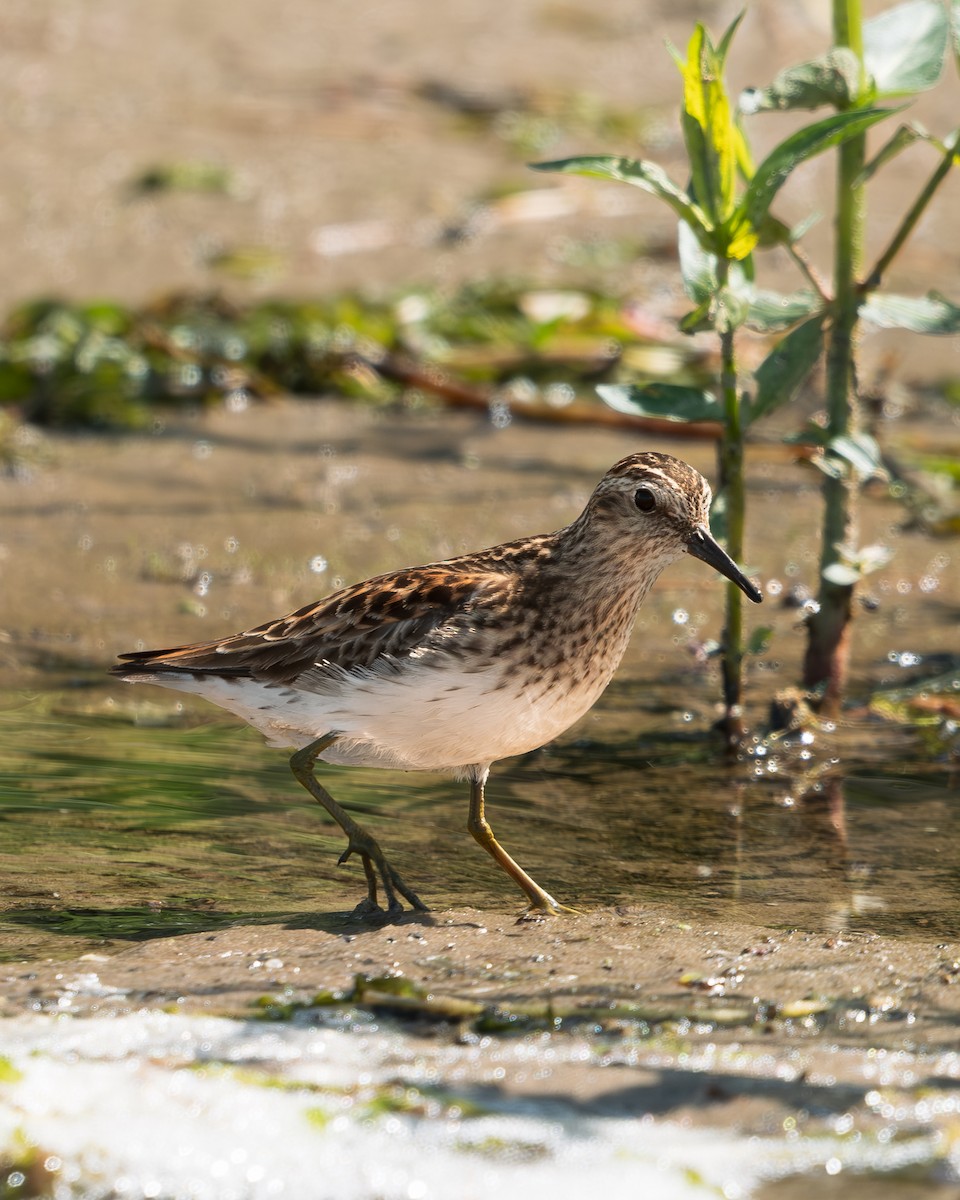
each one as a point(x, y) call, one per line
point(158, 854)
point(149, 820)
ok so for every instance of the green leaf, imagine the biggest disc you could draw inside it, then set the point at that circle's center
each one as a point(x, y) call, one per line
point(955, 28)
point(860, 451)
point(739, 238)
point(698, 267)
point(759, 640)
point(8, 1072)
point(903, 48)
point(667, 400)
point(833, 79)
point(773, 232)
point(932, 313)
point(813, 139)
point(767, 311)
point(873, 558)
point(698, 320)
point(772, 311)
point(17, 382)
point(905, 136)
point(842, 574)
point(853, 565)
point(721, 312)
point(641, 174)
point(708, 128)
point(785, 369)
point(724, 48)
point(730, 310)
point(183, 177)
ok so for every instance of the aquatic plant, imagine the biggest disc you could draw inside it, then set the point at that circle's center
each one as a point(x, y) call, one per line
point(723, 222)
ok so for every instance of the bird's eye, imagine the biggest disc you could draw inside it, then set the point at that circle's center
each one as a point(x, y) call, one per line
point(645, 500)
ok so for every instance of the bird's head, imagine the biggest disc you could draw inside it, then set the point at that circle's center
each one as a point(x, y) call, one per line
point(664, 504)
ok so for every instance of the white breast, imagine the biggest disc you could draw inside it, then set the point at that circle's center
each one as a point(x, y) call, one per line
point(419, 719)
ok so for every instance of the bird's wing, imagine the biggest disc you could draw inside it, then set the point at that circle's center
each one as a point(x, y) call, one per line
point(384, 618)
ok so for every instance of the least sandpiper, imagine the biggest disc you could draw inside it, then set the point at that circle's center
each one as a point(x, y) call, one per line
point(451, 666)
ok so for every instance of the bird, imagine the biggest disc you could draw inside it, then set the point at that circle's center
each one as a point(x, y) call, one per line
point(451, 666)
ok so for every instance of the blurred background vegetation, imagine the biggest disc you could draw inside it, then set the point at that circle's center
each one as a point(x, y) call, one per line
point(170, 174)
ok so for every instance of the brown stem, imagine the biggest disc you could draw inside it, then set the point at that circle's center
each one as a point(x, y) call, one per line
point(457, 394)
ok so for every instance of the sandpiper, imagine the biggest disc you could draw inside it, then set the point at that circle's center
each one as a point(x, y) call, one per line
point(451, 666)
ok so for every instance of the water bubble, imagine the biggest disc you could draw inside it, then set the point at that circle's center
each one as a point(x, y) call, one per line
point(500, 415)
point(342, 473)
point(202, 450)
point(231, 545)
point(905, 658)
point(904, 586)
point(929, 583)
point(680, 616)
point(774, 587)
point(318, 564)
point(237, 400)
point(520, 390)
point(186, 377)
point(559, 395)
point(412, 308)
point(202, 586)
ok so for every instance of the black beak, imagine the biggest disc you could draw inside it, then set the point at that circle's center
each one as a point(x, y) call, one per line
point(701, 545)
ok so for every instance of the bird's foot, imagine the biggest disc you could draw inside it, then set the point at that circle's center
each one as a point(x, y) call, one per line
point(544, 906)
point(374, 861)
point(368, 910)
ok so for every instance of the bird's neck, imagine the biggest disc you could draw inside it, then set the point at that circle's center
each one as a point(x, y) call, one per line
point(599, 568)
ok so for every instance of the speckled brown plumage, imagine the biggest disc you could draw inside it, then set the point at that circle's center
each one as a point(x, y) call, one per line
point(453, 665)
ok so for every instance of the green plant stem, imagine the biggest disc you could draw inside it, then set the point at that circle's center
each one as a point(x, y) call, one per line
point(826, 661)
point(875, 278)
point(808, 271)
point(730, 471)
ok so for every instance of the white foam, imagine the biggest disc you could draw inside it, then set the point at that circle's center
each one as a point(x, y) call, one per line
point(162, 1105)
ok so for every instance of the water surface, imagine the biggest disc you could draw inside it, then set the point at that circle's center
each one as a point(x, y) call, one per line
point(135, 819)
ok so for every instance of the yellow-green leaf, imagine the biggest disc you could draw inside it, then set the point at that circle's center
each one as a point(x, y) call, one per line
point(708, 128)
point(742, 238)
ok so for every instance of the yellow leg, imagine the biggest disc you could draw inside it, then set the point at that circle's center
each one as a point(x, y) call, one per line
point(540, 901)
point(359, 841)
